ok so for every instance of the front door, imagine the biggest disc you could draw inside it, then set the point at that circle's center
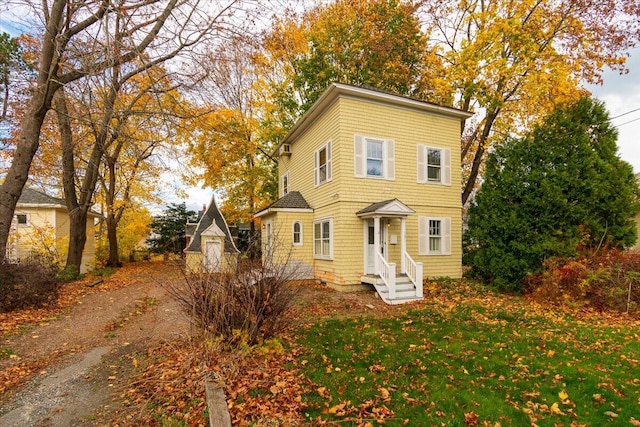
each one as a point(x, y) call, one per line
point(370, 244)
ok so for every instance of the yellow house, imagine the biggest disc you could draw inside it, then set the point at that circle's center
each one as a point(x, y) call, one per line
point(210, 249)
point(370, 193)
point(40, 226)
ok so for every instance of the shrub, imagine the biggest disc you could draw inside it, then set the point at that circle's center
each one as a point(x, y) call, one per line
point(30, 284)
point(243, 305)
point(606, 281)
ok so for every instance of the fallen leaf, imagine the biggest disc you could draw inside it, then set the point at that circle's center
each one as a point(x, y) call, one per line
point(555, 409)
point(611, 414)
point(563, 395)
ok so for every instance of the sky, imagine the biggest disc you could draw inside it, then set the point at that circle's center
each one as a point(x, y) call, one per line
point(620, 93)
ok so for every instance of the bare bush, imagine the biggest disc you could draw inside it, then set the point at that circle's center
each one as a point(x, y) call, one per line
point(246, 303)
point(30, 284)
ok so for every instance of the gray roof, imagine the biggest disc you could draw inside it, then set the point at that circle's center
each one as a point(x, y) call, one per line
point(374, 206)
point(190, 229)
point(291, 200)
point(33, 197)
point(211, 215)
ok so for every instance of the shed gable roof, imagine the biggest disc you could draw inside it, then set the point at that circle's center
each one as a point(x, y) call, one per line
point(211, 221)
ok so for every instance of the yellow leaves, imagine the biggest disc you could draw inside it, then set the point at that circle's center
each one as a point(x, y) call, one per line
point(563, 395)
point(611, 414)
point(555, 409)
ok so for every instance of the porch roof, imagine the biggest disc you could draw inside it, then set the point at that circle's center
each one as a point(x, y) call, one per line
point(392, 207)
point(291, 201)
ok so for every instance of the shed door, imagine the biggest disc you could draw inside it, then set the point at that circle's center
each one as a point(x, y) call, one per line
point(212, 256)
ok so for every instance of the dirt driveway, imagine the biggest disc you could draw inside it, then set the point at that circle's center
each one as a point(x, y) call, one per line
point(67, 370)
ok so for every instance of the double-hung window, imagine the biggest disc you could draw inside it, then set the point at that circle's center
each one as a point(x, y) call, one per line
point(434, 165)
point(284, 185)
point(322, 161)
point(322, 238)
point(434, 235)
point(374, 158)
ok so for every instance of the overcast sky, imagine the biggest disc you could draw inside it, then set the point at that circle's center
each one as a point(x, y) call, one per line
point(621, 94)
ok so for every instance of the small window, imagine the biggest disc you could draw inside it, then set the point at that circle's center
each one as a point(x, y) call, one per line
point(434, 165)
point(284, 185)
point(323, 164)
point(374, 158)
point(22, 219)
point(322, 242)
point(297, 233)
point(434, 236)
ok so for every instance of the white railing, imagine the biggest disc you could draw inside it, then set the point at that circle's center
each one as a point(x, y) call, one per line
point(387, 272)
point(414, 272)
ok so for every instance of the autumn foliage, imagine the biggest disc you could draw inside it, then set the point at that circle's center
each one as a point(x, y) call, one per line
point(607, 281)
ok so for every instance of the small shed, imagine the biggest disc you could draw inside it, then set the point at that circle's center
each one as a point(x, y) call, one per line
point(211, 249)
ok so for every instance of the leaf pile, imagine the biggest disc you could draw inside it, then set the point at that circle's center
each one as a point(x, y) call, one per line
point(260, 387)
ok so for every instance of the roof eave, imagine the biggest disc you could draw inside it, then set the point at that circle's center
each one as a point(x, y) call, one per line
point(335, 90)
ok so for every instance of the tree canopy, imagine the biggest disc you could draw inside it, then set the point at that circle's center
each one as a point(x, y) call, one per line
point(170, 227)
point(559, 190)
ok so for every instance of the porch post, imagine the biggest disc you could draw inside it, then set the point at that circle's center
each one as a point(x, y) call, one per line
point(403, 244)
point(376, 242)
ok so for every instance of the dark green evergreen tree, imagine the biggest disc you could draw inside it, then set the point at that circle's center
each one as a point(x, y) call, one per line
point(169, 229)
point(559, 191)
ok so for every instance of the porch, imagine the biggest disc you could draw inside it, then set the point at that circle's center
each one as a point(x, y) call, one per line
point(397, 278)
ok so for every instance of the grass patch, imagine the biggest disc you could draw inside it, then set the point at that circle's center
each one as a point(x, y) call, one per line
point(468, 365)
point(5, 353)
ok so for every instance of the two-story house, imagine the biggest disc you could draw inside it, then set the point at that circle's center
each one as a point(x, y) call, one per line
point(370, 193)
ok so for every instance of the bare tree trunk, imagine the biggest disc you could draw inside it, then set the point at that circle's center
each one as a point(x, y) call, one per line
point(77, 213)
point(112, 228)
point(18, 173)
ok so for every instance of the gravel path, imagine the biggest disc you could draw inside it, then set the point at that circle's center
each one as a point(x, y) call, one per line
point(87, 352)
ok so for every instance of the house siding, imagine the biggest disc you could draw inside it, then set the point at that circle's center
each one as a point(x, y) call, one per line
point(346, 193)
point(43, 221)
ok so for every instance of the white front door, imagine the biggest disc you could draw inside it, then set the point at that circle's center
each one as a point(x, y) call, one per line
point(212, 256)
point(370, 244)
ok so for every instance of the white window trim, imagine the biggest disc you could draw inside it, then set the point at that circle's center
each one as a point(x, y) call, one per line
point(360, 157)
point(445, 165)
point(423, 235)
point(321, 221)
point(282, 186)
point(316, 165)
point(293, 234)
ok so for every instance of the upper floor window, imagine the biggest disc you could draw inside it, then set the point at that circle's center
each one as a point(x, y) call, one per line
point(323, 164)
point(434, 165)
point(297, 233)
point(284, 185)
point(434, 236)
point(374, 158)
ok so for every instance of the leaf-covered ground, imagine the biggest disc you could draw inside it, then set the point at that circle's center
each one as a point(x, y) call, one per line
point(463, 356)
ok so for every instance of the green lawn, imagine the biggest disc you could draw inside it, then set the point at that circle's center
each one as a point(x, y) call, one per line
point(472, 361)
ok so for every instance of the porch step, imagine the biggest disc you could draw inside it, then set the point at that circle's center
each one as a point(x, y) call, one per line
point(405, 290)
